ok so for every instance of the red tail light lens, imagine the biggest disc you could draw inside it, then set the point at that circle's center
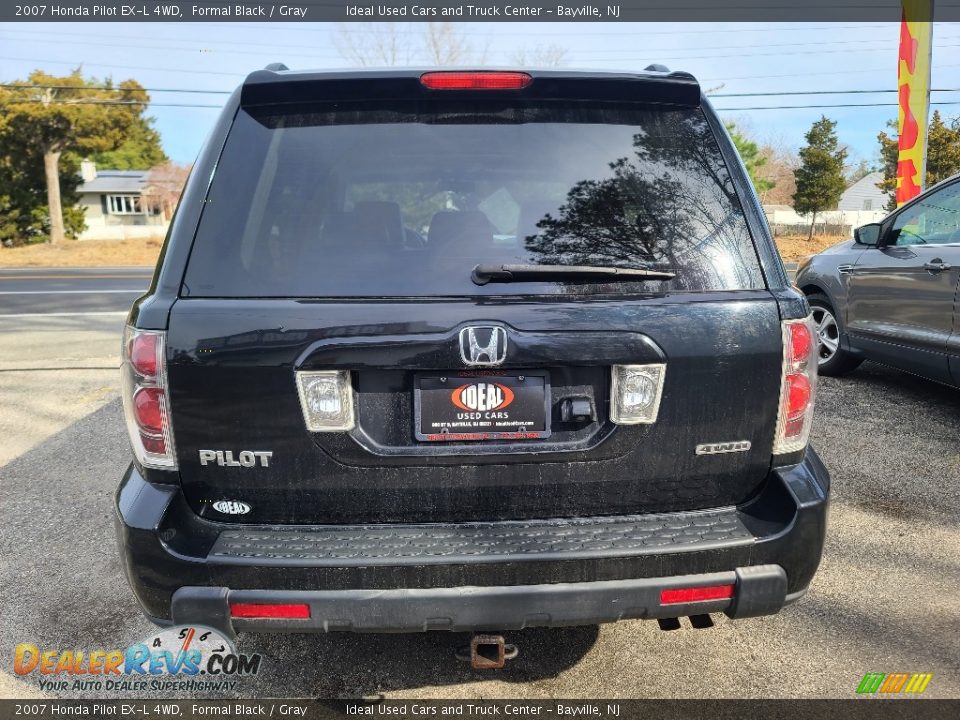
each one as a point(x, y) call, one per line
point(287, 611)
point(696, 594)
point(453, 80)
point(143, 354)
point(797, 386)
point(801, 341)
point(146, 400)
point(147, 406)
point(798, 395)
point(153, 444)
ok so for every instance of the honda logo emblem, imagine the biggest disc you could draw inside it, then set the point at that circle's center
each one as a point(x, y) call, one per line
point(483, 345)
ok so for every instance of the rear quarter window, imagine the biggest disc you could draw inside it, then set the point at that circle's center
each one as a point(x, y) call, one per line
point(367, 200)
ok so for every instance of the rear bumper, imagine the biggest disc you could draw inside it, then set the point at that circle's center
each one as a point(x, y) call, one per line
point(480, 576)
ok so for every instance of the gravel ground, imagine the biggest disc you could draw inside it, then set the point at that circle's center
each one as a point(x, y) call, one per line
point(885, 598)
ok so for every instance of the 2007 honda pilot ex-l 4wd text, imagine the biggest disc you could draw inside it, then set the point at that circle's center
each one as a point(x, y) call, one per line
point(468, 351)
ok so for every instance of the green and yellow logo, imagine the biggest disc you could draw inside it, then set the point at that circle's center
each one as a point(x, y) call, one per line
point(894, 683)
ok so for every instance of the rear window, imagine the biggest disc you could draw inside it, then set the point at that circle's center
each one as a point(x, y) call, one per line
point(404, 201)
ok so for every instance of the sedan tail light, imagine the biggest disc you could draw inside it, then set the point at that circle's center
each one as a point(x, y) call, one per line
point(146, 398)
point(798, 386)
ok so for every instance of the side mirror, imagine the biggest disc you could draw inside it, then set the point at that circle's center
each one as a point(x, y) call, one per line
point(868, 234)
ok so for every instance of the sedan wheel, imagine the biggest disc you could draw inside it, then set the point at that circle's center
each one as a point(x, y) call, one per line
point(828, 334)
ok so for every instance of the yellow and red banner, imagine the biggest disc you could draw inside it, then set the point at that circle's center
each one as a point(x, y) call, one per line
point(913, 81)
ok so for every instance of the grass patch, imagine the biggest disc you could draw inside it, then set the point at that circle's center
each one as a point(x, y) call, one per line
point(84, 253)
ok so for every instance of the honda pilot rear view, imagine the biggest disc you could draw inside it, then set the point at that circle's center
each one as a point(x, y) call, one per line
point(468, 351)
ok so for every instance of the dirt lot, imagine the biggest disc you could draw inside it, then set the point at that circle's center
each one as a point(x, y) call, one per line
point(84, 253)
point(797, 247)
point(129, 253)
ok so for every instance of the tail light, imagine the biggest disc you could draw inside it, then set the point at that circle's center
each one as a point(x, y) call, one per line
point(797, 386)
point(484, 80)
point(146, 399)
point(635, 392)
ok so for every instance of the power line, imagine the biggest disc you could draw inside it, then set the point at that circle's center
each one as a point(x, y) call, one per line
point(114, 88)
point(644, 26)
point(83, 63)
point(111, 102)
point(668, 53)
point(819, 92)
point(814, 107)
point(733, 109)
point(285, 46)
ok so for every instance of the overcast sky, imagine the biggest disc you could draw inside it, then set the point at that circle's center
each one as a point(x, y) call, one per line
point(740, 58)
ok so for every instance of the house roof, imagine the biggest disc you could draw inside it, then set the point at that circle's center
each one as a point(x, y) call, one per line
point(116, 181)
point(867, 183)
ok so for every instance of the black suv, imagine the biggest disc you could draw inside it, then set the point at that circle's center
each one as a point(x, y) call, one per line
point(468, 351)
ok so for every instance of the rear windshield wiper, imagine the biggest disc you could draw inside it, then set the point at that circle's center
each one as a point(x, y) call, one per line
point(483, 274)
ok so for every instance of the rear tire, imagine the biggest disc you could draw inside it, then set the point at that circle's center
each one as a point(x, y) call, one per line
point(833, 359)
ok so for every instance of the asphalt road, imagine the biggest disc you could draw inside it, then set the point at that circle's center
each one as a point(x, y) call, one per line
point(32, 291)
point(885, 598)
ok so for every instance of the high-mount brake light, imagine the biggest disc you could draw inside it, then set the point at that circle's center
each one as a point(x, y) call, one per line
point(146, 398)
point(483, 80)
point(798, 386)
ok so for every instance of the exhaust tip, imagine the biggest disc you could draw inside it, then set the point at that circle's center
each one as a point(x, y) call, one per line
point(667, 624)
point(701, 622)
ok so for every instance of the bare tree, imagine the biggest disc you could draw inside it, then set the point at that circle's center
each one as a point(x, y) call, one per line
point(540, 56)
point(781, 161)
point(377, 45)
point(446, 45)
point(163, 186)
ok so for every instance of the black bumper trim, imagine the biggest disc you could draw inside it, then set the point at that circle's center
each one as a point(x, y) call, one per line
point(759, 590)
point(165, 546)
point(506, 541)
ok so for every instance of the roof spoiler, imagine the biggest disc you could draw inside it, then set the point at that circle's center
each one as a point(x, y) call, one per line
point(277, 85)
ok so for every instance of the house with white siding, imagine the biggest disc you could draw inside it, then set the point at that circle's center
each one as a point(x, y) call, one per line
point(864, 194)
point(115, 206)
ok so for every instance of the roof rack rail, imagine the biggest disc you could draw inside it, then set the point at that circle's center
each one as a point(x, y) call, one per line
point(276, 67)
point(654, 67)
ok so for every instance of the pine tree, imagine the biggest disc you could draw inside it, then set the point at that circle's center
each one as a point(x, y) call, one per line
point(753, 159)
point(943, 154)
point(820, 180)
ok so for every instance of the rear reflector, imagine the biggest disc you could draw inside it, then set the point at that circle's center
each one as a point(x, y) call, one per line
point(284, 611)
point(448, 80)
point(696, 594)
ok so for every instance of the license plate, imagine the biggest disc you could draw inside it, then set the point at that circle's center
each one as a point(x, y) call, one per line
point(482, 405)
